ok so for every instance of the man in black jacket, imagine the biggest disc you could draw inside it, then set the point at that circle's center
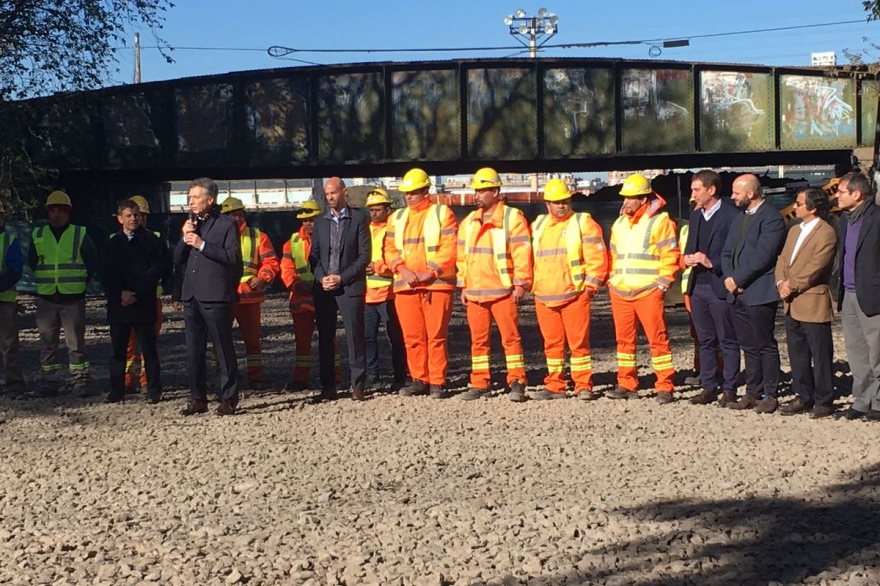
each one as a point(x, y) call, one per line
point(749, 258)
point(339, 256)
point(209, 258)
point(136, 260)
point(858, 299)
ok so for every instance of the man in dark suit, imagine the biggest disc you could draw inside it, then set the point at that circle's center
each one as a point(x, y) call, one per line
point(858, 298)
point(803, 272)
point(708, 227)
point(136, 261)
point(339, 257)
point(748, 261)
point(209, 256)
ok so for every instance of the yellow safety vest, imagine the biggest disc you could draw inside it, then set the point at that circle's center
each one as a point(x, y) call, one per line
point(60, 264)
point(573, 246)
point(682, 242)
point(300, 261)
point(638, 261)
point(378, 240)
point(430, 230)
point(500, 240)
point(10, 295)
point(250, 253)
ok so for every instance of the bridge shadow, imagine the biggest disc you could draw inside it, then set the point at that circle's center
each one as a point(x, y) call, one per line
point(731, 542)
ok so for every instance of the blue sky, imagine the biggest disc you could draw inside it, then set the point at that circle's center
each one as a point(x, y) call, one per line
point(335, 24)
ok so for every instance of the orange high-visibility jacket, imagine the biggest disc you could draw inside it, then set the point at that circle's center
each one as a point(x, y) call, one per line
point(295, 267)
point(570, 257)
point(495, 255)
point(644, 251)
point(379, 287)
point(422, 238)
point(260, 260)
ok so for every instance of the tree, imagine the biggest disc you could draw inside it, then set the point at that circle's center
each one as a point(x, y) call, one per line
point(872, 7)
point(49, 46)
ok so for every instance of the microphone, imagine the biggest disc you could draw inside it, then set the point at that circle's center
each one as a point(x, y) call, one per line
point(196, 222)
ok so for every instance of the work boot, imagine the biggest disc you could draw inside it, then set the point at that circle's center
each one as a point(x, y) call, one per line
point(588, 395)
point(397, 385)
point(115, 397)
point(438, 392)
point(225, 408)
point(622, 393)
point(131, 391)
point(665, 397)
point(296, 386)
point(518, 392)
point(153, 397)
point(357, 394)
point(545, 395)
point(413, 389)
point(194, 407)
point(473, 393)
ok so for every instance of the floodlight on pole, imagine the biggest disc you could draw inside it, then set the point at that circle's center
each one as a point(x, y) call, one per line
point(529, 30)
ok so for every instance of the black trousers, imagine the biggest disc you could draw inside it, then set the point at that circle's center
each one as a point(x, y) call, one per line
point(203, 320)
point(714, 326)
point(327, 306)
point(146, 337)
point(754, 326)
point(811, 353)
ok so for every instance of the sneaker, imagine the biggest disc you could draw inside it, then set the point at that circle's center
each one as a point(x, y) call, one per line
point(517, 392)
point(665, 397)
point(438, 392)
point(472, 394)
point(622, 393)
point(413, 389)
point(587, 395)
point(545, 395)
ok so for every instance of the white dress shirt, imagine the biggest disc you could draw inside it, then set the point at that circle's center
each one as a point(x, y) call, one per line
point(806, 228)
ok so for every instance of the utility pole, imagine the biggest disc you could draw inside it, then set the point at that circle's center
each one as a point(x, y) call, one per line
point(137, 57)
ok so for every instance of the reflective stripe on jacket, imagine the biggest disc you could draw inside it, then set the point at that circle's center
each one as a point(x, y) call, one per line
point(295, 267)
point(644, 251)
point(60, 266)
point(10, 295)
point(423, 238)
point(379, 288)
point(682, 243)
point(570, 257)
point(259, 260)
point(494, 255)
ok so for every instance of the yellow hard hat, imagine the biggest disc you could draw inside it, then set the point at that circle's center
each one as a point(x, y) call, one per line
point(556, 190)
point(636, 185)
point(414, 180)
point(142, 203)
point(58, 198)
point(310, 209)
point(231, 204)
point(378, 196)
point(485, 178)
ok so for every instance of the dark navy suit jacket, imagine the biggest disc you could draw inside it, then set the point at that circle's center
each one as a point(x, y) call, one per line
point(867, 261)
point(213, 274)
point(756, 257)
point(354, 257)
point(718, 236)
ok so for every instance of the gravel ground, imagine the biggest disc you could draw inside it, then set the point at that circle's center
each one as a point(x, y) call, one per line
point(424, 492)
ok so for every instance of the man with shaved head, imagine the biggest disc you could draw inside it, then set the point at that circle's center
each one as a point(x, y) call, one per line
point(341, 251)
point(748, 263)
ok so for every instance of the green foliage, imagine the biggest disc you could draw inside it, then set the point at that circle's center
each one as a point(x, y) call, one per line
point(872, 8)
point(49, 46)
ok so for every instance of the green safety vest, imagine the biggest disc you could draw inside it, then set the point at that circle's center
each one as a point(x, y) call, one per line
point(60, 265)
point(250, 253)
point(7, 240)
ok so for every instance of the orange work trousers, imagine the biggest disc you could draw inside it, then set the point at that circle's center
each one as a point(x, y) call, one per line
point(303, 331)
point(506, 315)
point(648, 311)
point(424, 318)
point(569, 322)
point(248, 317)
point(131, 378)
